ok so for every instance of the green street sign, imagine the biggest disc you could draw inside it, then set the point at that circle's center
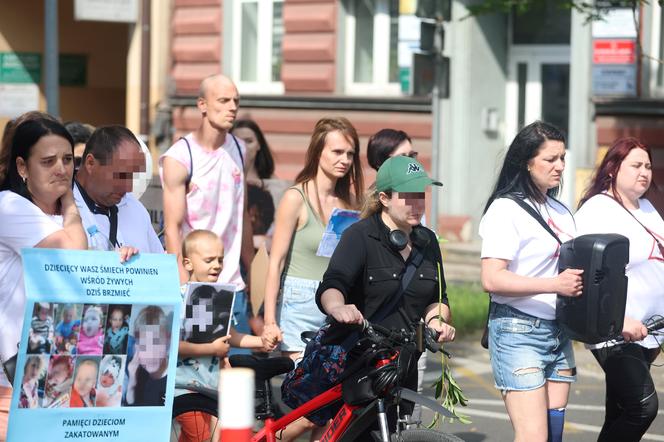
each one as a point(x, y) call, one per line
point(20, 67)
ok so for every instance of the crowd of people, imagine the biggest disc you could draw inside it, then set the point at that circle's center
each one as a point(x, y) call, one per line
point(70, 187)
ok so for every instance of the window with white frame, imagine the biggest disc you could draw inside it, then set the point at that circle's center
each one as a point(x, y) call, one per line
point(371, 64)
point(258, 30)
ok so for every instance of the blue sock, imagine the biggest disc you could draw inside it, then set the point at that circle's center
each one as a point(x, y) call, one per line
point(556, 419)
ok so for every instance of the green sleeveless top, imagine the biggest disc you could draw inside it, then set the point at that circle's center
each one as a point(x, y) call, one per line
point(302, 261)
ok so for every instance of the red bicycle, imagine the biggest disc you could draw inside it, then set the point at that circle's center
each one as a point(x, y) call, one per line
point(367, 387)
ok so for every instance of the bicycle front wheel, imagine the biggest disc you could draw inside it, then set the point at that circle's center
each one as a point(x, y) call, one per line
point(424, 435)
point(194, 418)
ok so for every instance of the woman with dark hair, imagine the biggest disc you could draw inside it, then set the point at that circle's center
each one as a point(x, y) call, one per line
point(615, 203)
point(37, 210)
point(259, 173)
point(531, 357)
point(259, 163)
point(388, 143)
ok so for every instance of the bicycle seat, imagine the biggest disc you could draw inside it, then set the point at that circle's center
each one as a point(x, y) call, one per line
point(265, 368)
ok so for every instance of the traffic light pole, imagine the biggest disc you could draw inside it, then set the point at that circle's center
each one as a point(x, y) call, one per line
point(437, 95)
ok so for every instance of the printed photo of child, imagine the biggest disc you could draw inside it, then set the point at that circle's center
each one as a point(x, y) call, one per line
point(91, 336)
point(117, 329)
point(59, 380)
point(150, 342)
point(208, 312)
point(32, 386)
point(84, 394)
point(40, 336)
point(111, 377)
point(67, 328)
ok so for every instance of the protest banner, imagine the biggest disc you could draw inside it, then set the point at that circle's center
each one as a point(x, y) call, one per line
point(98, 349)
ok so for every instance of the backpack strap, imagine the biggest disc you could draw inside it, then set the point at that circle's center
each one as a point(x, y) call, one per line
point(191, 163)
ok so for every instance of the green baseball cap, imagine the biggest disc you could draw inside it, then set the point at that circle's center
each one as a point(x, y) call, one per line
point(403, 174)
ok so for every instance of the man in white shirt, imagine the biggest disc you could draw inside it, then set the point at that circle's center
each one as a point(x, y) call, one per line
point(112, 216)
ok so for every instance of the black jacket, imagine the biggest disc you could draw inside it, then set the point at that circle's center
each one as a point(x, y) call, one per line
point(367, 271)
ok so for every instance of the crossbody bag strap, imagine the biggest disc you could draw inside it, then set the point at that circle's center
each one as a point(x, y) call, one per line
point(659, 244)
point(532, 212)
point(390, 306)
point(191, 163)
point(406, 277)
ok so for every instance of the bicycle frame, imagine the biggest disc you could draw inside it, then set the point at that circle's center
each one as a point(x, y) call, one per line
point(339, 424)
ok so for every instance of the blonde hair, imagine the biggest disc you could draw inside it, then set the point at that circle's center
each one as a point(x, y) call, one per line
point(87, 362)
point(97, 309)
point(194, 237)
point(372, 203)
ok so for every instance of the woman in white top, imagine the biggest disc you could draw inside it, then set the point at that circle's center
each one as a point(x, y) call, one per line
point(532, 359)
point(615, 203)
point(36, 208)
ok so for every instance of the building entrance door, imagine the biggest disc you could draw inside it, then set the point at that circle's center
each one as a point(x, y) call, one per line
point(537, 87)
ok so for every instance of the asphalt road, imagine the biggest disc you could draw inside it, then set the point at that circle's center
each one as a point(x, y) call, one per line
point(490, 423)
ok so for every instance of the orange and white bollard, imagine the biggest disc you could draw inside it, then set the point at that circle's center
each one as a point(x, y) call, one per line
point(236, 404)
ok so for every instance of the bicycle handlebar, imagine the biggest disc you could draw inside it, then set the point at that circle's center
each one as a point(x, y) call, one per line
point(370, 330)
point(655, 325)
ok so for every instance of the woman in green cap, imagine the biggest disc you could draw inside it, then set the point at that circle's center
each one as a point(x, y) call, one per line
point(373, 254)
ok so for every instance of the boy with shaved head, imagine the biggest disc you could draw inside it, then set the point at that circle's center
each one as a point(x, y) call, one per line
point(204, 187)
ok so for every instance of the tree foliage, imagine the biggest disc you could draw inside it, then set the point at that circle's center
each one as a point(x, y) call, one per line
point(593, 10)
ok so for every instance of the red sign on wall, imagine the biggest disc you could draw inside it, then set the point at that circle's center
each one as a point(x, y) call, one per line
point(614, 51)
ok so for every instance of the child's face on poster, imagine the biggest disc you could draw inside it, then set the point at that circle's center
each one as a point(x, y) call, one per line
point(43, 313)
point(152, 348)
point(91, 322)
point(86, 377)
point(116, 320)
point(68, 315)
point(58, 374)
point(33, 369)
point(110, 374)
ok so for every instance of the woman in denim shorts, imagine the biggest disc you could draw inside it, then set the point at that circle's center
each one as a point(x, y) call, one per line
point(531, 357)
point(331, 177)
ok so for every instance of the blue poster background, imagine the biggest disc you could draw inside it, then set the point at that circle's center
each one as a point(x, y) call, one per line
point(98, 278)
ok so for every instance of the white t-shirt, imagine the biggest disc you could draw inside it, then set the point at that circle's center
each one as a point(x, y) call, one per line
point(508, 232)
point(23, 225)
point(216, 196)
point(134, 225)
point(645, 270)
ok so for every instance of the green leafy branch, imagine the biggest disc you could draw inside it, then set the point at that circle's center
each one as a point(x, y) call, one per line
point(447, 390)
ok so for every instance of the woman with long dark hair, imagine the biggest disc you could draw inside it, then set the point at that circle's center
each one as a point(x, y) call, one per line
point(37, 210)
point(531, 358)
point(264, 191)
point(615, 203)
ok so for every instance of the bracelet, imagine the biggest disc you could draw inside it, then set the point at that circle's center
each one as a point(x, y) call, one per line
point(440, 318)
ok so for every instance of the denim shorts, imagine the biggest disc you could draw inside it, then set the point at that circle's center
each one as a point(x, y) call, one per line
point(297, 311)
point(527, 351)
point(240, 321)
